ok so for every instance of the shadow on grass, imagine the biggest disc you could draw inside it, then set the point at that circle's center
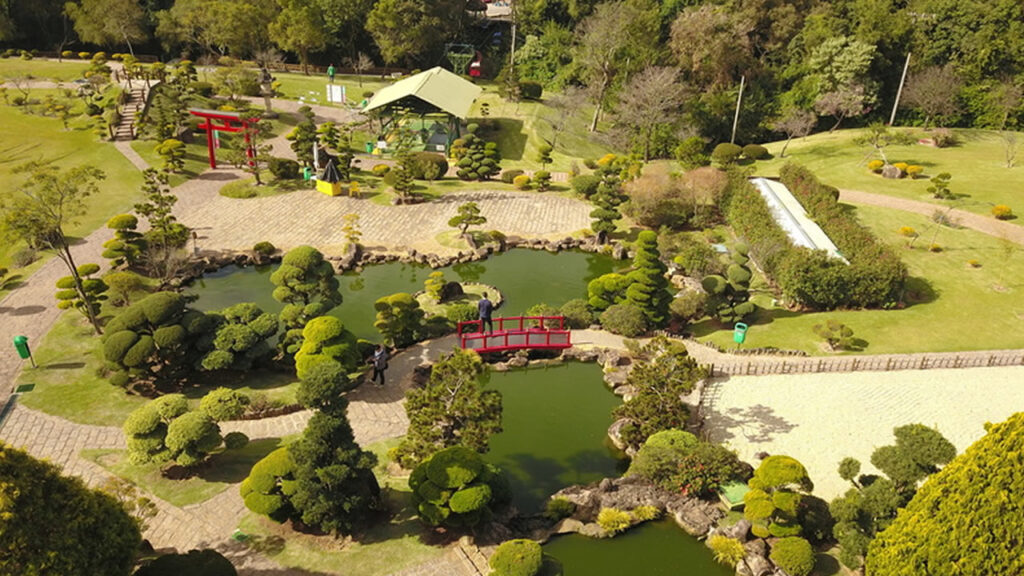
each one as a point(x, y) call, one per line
point(510, 138)
point(200, 384)
point(919, 290)
point(231, 466)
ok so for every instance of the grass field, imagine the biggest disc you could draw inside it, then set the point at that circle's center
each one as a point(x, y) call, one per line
point(196, 160)
point(954, 306)
point(977, 164)
point(25, 138)
point(313, 89)
point(224, 469)
point(42, 69)
point(68, 383)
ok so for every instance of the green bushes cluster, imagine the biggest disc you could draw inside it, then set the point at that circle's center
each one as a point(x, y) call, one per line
point(726, 154)
point(755, 152)
point(624, 319)
point(530, 90)
point(283, 168)
point(477, 159)
point(773, 502)
point(678, 462)
point(517, 558)
point(509, 176)
point(585, 184)
point(164, 430)
point(875, 276)
point(728, 551)
point(424, 164)
point(455, 488)
point(794, 555)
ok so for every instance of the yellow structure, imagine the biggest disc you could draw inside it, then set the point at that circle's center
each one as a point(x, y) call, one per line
point(329, 181)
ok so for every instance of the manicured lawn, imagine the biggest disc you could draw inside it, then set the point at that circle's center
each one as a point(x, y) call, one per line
point(25, 138)
point(313, 88)
point(41, 69)
point(68, 385)
point(977, 164)
point(247, 188)
point(522, 130)
point(196, 160)
point(385, 549)
point(954, 306)
point(224, 469)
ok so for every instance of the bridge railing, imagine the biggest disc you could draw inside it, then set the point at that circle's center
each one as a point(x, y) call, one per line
point(515, 333)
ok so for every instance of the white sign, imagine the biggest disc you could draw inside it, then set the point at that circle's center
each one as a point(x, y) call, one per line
point(336, 93)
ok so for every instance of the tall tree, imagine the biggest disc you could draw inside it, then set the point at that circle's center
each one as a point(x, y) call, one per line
point(451, 409)
point(48, 201)
point(306, 284)
point(165, 232)
point(648, 290)
point(794, 123)
point(711, 46)
point(602, 44)
point(650, 100)
point(299, 28)
point(53, 524)
point(221, 27)
point(933, 92)
point(108, 22)
point(411, 30)
point(841, 67)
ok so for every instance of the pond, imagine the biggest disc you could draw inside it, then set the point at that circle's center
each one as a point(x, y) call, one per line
point(525, 277)
point(652, 549)
point(555, 431)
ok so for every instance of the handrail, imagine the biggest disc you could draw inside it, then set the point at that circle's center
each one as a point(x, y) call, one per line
point(519, 320)
point(544, 335)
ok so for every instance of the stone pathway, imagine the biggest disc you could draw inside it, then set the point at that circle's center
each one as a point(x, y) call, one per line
point(984, 224)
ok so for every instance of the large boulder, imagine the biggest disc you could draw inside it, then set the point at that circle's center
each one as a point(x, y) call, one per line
point(450, 291)
point(693, 515)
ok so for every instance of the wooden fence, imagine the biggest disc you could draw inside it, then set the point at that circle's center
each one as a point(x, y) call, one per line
point(765, 366)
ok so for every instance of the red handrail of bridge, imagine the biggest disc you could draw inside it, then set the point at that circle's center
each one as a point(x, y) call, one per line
point(512, 333)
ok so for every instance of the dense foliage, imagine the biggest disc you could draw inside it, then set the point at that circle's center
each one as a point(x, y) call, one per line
point(399, 319)
point(517, 558)
point(773, 502)
point(207, 562)
point(53, 524)
point(306, 284)
point(325, 340)
point(454, 487)
point(662, 374)
point(238, 338)
point(678, 462)
point(964, 519)
point(452, 408)
point(648, 288)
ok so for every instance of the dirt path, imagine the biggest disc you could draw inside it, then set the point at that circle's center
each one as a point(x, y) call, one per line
point(984, 224)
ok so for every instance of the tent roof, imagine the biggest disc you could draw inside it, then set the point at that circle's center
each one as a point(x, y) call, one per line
point(330, 172)
point(437, 87)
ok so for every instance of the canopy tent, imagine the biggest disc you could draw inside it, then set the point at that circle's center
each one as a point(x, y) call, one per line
point(437, 93)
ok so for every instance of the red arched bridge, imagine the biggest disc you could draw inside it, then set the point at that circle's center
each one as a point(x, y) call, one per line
point(516, 333)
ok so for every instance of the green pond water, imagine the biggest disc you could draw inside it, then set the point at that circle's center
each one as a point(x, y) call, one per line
point(525, 278)
point(555, 422)
point(652, 549)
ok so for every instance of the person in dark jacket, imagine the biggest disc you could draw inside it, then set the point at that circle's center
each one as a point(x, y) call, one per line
point(485, 307)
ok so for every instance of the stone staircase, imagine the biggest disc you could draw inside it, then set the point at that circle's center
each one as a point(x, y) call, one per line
point(136, 101)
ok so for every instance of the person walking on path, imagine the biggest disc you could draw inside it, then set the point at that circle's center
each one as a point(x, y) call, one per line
point(330, 73)
point(485, 307)
point(380, 363)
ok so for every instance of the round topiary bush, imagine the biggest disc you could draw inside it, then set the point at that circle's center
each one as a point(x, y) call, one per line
point(915, 171)
point(509, 175)
point(460, 313)
point(577, 313)
point(454, 467)
point(517, 558)
point(726, 154)
point(1002, 212)
point(755, 152)
point(421, 160)
point(224, 404)
point(264, 248)
point(235, 440)
point(794, 555)
point(586, 185)
point(380, 170)
point(284, 168)
point(521, 182)
point(876, 166)
point(624, 320)
point(530, 90)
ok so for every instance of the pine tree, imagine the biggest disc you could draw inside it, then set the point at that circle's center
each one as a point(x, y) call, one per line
point(648, 290)
point(607, 200)
point(306, 283)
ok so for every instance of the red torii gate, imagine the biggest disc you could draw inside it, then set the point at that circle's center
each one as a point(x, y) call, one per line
point(229, 122)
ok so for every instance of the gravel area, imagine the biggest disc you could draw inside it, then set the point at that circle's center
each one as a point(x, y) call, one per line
point(821, 418)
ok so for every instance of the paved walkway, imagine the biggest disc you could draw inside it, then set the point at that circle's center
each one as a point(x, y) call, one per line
point(985, 224)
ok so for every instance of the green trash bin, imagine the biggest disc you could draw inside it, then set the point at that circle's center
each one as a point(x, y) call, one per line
point(307, 173)
point(739, 333)
point(21, 345)
point(369, 147)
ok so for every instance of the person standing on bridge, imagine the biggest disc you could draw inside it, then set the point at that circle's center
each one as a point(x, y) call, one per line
point(485, 307)
point(380, 363)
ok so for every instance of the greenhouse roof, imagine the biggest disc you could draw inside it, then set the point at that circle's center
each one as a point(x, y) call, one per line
point(793, 219)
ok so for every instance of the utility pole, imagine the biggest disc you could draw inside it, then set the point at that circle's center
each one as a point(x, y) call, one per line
point(512, 54)
point(736, 118)
point(899, 92)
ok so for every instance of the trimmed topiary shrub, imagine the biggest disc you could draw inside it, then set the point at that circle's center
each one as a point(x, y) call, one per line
point(690, 153)
point(224, 404)
point(460, 313)
point(586, 184)
point(326, 340)
point(508, 176)
point(915, 171)
point(728, 551)
point(380, 170)
point(530, 90)
point(420, 162)
point(517, 558)
point(283, 168)
point(624, 320)
point(264, 248)
point(794, 555)
point(1002, 212)
point(876, 166)
point(454, 487)
point(577, 313)
point(726, 154)
point(235, 440)
point(755, 152)
point(521, 182)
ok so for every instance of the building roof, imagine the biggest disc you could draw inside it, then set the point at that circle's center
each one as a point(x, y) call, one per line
point(437, 87)
point(793, 219)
